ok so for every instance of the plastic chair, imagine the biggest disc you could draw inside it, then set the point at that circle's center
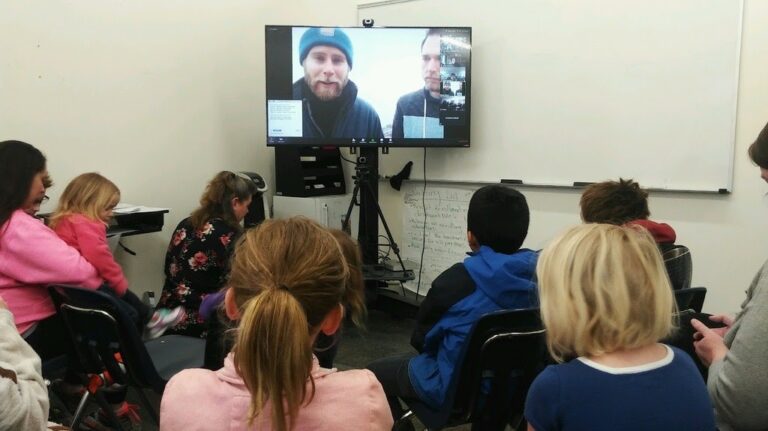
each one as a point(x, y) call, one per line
point(677, 259)
point(102, 332)
point(505, 351)
point(691, 298)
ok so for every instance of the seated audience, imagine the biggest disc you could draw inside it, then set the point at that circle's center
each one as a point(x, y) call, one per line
point(606, 300)
point(497, 275)
point(738, 353)
point(623, 202)
point(81, 219)
point(327, 346)
point(197, 260)
point(218, 343)
point(286, 286)
point(23, 394)
point(33, 256)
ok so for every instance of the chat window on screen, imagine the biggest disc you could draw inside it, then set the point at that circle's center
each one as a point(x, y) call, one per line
point(284, 118)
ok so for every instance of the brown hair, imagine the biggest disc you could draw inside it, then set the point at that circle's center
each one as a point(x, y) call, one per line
point(286, 276)
point(614, 202)
point(87, 194)
point(216, 201)
point(354, 293)
point(758, 151)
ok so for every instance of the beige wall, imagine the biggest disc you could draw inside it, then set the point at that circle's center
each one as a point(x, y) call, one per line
point(159, 95)
point(156, 95)
point(727, 234)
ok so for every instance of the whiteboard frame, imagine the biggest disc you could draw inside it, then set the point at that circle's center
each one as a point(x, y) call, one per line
point(728, 187)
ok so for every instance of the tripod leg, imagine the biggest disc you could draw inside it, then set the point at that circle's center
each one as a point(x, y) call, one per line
point(346, 224)
point(391, 239)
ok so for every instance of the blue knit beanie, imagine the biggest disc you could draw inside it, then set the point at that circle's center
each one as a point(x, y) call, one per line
point(334, 37)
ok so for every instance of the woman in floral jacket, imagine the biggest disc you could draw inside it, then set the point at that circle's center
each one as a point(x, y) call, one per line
point(197, 260)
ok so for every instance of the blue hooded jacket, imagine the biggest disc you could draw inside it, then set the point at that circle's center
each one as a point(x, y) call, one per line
point(503, 282)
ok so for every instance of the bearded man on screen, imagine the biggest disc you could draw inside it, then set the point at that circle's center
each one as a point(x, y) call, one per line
point(330, 106)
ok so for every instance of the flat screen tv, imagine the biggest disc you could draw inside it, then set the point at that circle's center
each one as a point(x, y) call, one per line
point(356, 86)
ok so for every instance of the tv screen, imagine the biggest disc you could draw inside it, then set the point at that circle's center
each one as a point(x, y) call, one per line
point(354, 86)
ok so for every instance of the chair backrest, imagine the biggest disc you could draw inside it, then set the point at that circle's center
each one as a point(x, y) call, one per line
point(504, 352)
point(99, 329)
point(691, 298)
point(677, 259)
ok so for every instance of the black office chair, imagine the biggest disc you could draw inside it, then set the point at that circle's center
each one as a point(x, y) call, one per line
point(691, 298)
point(677, 260)
point(504, 352)
point(101, 331)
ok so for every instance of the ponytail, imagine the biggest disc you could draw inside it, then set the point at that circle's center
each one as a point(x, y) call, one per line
point(272, 352)
point(286, 277)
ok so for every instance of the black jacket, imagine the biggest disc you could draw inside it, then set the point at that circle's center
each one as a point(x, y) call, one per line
point(355, 118)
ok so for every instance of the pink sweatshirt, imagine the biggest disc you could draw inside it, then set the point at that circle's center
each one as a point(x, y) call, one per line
point(346, 400)
point(31, 257)
point(89, 237)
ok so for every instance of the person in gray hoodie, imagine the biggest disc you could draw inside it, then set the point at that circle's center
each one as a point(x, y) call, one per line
point(737, 354)
point(418, 113)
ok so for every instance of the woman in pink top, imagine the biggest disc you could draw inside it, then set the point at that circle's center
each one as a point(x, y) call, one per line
point(31, 255)
point(287, 284)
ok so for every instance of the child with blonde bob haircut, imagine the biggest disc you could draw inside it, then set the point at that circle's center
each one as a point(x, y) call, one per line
point(287, 283)
point(606, 300)
point(81, 219)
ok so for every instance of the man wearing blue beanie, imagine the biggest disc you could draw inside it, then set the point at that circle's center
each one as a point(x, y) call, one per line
point(331, 108)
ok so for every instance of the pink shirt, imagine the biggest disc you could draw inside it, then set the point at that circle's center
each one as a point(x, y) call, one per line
point(89, 237)
point(198, 400)
point(31, 257)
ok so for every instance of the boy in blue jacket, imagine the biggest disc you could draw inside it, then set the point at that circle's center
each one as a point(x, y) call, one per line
point(497, 275)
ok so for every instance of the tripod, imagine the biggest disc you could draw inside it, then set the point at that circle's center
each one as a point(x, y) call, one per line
point(365, 195)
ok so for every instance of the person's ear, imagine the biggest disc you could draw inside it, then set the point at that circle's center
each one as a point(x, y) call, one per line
point(472, 241)
point(230, 307)
point(332, 321)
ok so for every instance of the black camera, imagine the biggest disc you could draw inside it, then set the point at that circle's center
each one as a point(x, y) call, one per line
point(368, 23)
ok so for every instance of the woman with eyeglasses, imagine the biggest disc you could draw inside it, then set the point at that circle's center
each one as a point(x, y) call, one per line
point(32, 256)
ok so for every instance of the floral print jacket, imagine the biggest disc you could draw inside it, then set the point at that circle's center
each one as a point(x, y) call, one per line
point(196, 264)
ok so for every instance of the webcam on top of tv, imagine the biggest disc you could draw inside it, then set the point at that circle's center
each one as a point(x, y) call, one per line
point(368, 23)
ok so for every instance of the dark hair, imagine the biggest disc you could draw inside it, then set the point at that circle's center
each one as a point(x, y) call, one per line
point(758, 151)
point(498, 217)
point(19, 163)
point(614, 202)
point(430, 32)
point(216, 201)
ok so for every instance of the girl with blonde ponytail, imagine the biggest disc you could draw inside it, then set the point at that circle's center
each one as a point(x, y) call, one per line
point(287, 283)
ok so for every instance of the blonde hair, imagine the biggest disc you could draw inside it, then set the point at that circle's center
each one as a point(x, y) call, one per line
point(286, 276)
point(216, 201)
point(88, 194)
point(603, 288)
point(354, 293)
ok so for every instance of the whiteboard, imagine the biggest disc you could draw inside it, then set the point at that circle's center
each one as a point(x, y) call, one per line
point(583, 91)
point(445, 236)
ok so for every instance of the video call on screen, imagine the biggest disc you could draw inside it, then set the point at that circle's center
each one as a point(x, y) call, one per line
point(417, 83)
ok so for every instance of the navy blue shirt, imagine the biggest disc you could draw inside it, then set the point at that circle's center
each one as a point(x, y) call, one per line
point(669, 394)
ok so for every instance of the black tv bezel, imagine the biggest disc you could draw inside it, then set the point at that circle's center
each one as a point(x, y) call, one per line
point(388, 142)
